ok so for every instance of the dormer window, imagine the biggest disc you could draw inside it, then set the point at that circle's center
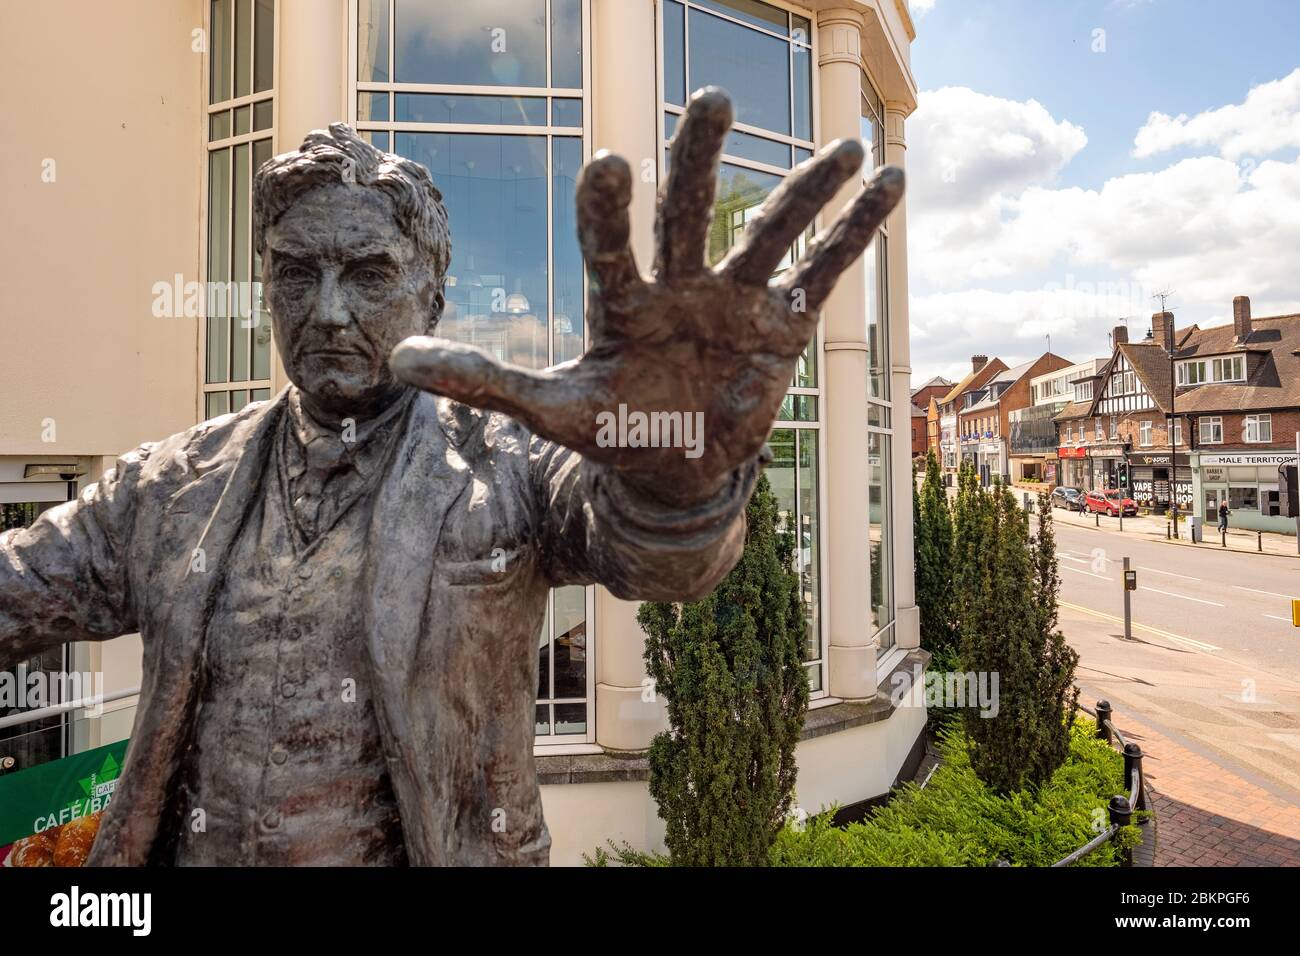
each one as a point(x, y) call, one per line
point(1231, 368)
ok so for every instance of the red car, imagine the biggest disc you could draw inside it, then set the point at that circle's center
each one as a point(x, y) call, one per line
point(1110, 503)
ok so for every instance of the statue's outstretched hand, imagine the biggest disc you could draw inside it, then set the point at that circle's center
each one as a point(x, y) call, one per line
point(690, 339)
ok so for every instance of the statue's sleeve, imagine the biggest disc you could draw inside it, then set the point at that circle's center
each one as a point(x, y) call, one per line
point(596, 529)
point(65, 578)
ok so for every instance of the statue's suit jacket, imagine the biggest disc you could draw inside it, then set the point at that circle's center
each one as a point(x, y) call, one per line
point(473, 520)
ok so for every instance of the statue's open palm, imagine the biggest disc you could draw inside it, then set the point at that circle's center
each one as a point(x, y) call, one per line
point(689, 339)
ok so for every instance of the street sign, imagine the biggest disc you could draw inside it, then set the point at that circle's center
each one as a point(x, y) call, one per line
point(1131, 581)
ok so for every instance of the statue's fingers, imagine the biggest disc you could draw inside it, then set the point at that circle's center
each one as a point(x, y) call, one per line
point(549, 403)
point(686, 202)
point(603, 196)
point(835, 250)
point(789, 210)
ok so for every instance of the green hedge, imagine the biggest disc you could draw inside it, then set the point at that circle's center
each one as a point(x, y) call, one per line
point(958, 821)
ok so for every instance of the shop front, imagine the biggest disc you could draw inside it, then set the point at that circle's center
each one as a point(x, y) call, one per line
point(1104, 462)
point(1151, 475)
point(1246, 481)
point(1073, 470)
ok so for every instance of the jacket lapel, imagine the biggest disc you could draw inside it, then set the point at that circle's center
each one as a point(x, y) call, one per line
point(200, 523)
point(427, 475)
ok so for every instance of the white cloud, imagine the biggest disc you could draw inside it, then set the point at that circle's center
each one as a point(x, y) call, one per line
point(1002, 255)
point(920, 8)
point(1267, 121)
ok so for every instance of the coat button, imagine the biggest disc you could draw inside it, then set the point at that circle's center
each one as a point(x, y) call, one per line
point(271, 819)
point(304, 572)
point(279, 755)
point(295, 633)
point(288, 689)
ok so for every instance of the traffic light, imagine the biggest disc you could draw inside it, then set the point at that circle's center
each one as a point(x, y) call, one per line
point(1122, 475)
point(1287, 505)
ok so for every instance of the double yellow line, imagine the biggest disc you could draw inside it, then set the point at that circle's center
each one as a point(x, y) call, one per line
point(1169, 635)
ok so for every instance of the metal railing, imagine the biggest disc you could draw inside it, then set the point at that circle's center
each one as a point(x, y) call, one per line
point(1122, 806)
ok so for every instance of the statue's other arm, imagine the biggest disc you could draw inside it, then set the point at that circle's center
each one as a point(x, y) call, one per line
point(65, 578)
point(598, 528)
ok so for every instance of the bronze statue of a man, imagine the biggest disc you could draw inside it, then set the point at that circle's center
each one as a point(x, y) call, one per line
point(339, 590)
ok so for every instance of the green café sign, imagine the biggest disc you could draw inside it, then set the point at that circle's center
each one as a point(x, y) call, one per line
point(57, 792)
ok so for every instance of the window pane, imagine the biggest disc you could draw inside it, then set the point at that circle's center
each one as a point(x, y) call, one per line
point(568, 279)
point(544, 660)
point(802, 155)
point(219, 125)
point(372, 41)
point(264, 54)
point(221, 14)
point(372, 107)
point(243, 120)
point(570, 719)
point(243, 47)
point(261, 319)
point(800, 28)
point(877, 311)
point(758, 149)
point(261, 394)
point(809, 530)
point(802, 56)
point(263, 114)
point(218, 260)
point(570, 642)
point(485, 110)
point(542, 722)
point(217, 403)
point(879, 504)
point(753, 67)
point(566, 43)
point(566, 112)
point(674, 53)
point(486, 43)
point(751, 11)
point(740, 192)
point(781, 476)
point(377, 139)
point(240, 306)
point(238, 399)
point(494, 188)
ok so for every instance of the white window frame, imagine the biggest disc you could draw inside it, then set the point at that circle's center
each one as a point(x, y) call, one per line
point(1144, 433)
point(1216, 425)
point(1255, 424)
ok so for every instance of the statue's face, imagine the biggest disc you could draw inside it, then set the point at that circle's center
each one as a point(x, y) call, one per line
point(345, 285)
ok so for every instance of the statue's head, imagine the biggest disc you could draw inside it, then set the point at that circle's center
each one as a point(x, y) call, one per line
point(354, 246)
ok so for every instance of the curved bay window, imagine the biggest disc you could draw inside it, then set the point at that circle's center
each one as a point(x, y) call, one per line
point(241, 125)
point(879, 407)
point(490, 97)
point(762, 54)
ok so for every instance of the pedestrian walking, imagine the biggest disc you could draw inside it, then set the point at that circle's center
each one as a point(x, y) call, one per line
point(1223, 516)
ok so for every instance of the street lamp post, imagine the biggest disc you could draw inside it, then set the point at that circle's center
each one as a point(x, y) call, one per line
point(1173, 444)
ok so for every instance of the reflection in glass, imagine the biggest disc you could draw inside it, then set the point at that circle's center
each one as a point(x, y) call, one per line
point(567, 278)
point(263, 114)
point(542, 721)
point(566, 44)
point(372, 41)
point(239, 266)
point(494, 188)
point(801, 57)
point(566, 112)
point(751, 11)
point(741, 192)
point(570, 642)
point(216, 403)
point(218, 125)
point(474, 110)
point(372, 106)
point(753, 67)
point(674, 53)
point(243, 120)
point(486, 43)
point(570, 719)
point(756, 148)
point(879, 532)
point(261, 318)
point(809, 529)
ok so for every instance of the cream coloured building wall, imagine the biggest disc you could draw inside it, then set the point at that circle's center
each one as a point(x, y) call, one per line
point(105, 104)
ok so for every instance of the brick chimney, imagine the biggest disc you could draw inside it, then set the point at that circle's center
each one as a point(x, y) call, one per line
point(1119, 336)
point(1241, 317)
point(1162, 329)
point(977, 362)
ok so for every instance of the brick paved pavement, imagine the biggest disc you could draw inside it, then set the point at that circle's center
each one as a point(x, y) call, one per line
point(1207, 815)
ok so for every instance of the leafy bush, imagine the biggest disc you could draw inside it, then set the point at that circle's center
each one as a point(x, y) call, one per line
point(959, 821)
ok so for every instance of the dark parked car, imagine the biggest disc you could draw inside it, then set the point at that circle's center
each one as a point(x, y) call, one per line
point(1071, 499)
point(1110, 503)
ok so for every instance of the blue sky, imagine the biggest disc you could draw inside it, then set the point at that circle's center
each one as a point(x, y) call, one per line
point(1027, 178)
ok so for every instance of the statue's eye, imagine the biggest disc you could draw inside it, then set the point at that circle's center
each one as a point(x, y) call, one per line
point(294, 273)
point(369, 274)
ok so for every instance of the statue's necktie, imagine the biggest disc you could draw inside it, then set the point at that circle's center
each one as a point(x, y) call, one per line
point(326, 457)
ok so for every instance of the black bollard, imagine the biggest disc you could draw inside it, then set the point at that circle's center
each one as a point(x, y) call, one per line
point(1133, 773)
point(1103, 718)
point(1121, 815)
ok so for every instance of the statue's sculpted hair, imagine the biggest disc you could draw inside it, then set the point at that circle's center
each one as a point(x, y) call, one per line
point(340, 155)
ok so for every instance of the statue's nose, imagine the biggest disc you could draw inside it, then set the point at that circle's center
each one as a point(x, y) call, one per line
point(332, 306)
